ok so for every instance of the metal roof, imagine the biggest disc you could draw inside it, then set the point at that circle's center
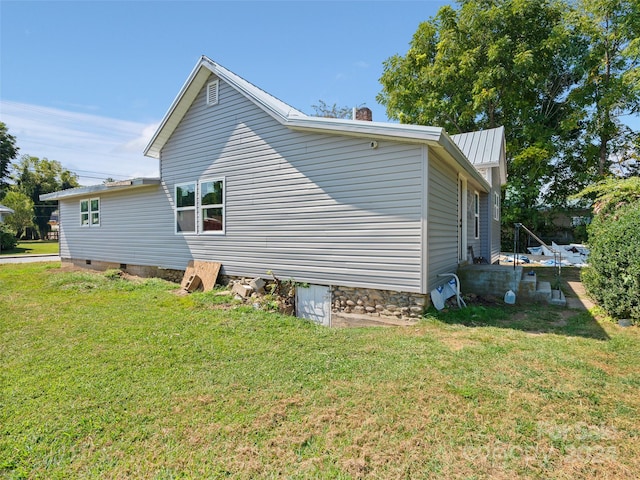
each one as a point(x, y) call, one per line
point(484, 148)
point(104, 188)
point(297, 120)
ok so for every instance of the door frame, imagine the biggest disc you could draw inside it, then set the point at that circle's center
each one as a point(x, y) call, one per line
point(462, 218)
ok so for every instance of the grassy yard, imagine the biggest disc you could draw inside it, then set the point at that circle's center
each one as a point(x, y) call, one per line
point(33, 247)
point(105, 377)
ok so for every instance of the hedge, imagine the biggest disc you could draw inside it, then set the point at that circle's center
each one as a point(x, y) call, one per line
point(613, 277)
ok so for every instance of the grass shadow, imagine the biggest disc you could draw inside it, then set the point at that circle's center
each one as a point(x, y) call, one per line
point(16, 251)
point(575, 320)
point(530, 318)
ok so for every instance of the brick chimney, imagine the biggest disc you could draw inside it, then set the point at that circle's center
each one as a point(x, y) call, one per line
point(364, 114)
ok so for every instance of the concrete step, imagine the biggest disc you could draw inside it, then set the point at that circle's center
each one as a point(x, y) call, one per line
point(527, 287)
point(558, 298)
point(543, 291)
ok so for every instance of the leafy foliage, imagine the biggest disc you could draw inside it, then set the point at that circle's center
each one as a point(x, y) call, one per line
point(612, 193)
point(613, 277)
point(8, 152)
point(22, 206)
point(558, 75)
point(333, 111)
point(8, 239)
point(34, 177)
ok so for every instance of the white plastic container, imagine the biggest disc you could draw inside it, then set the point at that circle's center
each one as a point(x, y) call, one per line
point(510, 297)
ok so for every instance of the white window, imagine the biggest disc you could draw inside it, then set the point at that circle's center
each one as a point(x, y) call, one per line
point(200, 207)
point(90, 212)
point(186, 208)
point(212, 92)
point(212, 206)
point(496, 206)
point(476, 215)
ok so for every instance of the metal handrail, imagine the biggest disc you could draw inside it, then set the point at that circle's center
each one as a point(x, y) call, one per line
point(557, 254)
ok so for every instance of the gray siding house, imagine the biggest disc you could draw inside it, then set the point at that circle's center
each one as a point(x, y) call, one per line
point(357, 209)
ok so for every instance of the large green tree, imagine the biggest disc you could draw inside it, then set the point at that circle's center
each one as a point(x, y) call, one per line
point(8, 152)
point(609, 88)
point(538, 67)
point(486, 64)
point(34, 177)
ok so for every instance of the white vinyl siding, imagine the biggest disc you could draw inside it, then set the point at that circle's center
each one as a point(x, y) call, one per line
point(143, 235)
point(443, 220)
point(317, 208)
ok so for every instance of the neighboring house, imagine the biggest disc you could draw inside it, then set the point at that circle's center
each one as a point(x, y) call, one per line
point(4, 212)
point(356, 209)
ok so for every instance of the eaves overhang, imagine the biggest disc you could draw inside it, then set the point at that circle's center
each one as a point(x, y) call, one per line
point(98, 189)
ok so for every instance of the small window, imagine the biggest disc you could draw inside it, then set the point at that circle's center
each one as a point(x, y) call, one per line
point(90, 212)
point(496, 206)
point(212, 92)
point(186, 208)
point(84, 213)
point(212, 206)
point(476, 215)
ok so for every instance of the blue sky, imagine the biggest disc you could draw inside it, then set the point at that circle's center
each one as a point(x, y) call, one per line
point(87, 82)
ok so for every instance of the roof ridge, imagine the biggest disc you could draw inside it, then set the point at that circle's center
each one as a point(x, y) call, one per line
point(289, 109)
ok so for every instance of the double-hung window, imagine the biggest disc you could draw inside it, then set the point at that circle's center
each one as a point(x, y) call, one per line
point(186, 208)
point(200, 207)
point(212, 206)
point(90, 212)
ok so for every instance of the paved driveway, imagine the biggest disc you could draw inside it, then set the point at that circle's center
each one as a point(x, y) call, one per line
point(28, 258)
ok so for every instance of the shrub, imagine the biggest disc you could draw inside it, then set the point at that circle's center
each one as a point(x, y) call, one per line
point(8, 240)
point(613, 278)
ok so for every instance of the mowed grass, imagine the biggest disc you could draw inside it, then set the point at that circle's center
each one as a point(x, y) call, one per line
point(105, 377)
point(34, 247)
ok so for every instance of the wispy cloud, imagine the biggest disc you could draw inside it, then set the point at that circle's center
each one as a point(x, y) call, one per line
point(93, 146)
point(361, 64)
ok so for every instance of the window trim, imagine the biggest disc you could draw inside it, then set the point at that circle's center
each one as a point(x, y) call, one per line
point(476, 215)
point(184, 209)
point(496, 206)
point(89, 212)
point(222, 206)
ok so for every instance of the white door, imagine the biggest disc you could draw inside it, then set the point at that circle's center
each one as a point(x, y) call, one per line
point(314, 303)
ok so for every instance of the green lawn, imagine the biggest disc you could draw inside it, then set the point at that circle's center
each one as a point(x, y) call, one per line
point(33, 247)
point(105, 377)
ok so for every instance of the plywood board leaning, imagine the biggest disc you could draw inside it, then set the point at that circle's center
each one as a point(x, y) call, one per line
point(206, 271)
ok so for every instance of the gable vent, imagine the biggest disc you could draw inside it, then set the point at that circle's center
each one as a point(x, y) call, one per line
point(212, 92)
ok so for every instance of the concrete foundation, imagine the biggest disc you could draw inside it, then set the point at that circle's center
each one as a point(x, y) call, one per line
point(494, 280)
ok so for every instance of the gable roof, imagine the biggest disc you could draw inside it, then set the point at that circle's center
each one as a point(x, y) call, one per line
point(196, 80)
point(294, 119)
point(484, 148)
